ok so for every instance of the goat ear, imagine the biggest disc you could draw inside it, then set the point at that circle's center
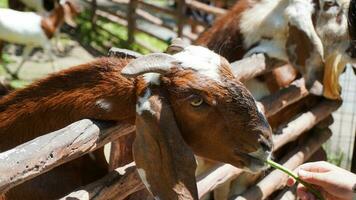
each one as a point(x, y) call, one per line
point(304, 47)
point(70, 11)
point(176, 46)
point(165, 163)
point(155, 62)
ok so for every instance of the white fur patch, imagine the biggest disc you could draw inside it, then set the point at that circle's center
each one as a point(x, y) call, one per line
point(143, 103)
point(200, 59)
point(152, 78)
point(143, 177)
point(271, 19)
point(299, 14)
point(261, 154)
point(104, 104)
point(265, 20)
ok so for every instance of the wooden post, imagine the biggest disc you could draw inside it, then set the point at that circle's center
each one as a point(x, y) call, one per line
point(131, 21)
point(94, 17)
point(180, 16)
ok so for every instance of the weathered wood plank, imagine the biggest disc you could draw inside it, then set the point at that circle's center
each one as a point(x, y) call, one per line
point(253, 66)
point(48, 151)
point(276, 102)
point(115, 185)
point(283, 98)
point(205, 8)
point(304, 122)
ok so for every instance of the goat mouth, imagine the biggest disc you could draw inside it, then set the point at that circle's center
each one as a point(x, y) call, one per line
point(253, 161)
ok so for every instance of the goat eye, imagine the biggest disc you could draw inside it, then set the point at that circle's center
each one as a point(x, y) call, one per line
point(197, 101)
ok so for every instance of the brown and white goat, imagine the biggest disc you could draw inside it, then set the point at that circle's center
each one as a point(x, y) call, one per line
point(190, 97)
point(31, 29)
point(309, 34)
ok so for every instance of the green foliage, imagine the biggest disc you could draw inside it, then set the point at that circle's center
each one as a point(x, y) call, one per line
point(3, 3)
point(336, 158)
point(5, 60)
point(16, 84)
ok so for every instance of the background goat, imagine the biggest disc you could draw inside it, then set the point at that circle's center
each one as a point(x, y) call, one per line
point(307, 34)
point(31, 29)
point(191, 98)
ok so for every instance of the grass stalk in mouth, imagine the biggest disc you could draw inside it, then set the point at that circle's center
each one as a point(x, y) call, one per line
point(290, 173)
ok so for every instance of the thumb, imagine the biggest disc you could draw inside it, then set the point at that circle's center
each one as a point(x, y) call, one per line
point(312, 177)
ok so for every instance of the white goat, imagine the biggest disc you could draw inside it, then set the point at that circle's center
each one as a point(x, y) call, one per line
point(31, 29)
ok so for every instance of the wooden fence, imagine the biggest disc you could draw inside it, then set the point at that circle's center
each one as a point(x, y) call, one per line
point(25, 162)
point(139, 9)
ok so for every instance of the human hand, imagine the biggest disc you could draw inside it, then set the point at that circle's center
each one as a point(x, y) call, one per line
point(333, 182)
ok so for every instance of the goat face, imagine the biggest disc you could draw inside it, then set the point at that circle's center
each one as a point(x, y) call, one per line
point(193, 97)
point(219, 119)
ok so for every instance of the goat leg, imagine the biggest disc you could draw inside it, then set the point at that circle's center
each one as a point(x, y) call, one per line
point(48, 50)
point(26, 54)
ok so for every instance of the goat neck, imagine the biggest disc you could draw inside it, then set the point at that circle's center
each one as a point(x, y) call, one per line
point(51, 23)
point(95, 90)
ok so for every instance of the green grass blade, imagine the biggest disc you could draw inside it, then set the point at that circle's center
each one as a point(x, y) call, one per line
point(290, 173)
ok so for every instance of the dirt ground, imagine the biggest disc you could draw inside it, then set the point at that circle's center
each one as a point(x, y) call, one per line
point(40, 64)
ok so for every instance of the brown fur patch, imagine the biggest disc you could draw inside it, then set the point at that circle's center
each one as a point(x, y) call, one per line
point(224, 37)
point(299, 47)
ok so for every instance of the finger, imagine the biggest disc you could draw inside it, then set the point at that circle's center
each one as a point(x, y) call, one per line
point(320, 166)
point(312, 177)
point(302, 193)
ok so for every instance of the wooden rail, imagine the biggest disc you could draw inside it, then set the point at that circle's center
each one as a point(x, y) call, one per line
point(115, 185)
point(42, 154)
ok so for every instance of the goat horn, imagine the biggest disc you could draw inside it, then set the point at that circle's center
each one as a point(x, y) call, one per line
point(176, 46)
point(155, 62)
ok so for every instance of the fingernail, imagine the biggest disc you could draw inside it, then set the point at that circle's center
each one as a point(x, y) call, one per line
point(290, 182)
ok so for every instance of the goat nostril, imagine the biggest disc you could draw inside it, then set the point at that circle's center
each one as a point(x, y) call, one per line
point(265, 144)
